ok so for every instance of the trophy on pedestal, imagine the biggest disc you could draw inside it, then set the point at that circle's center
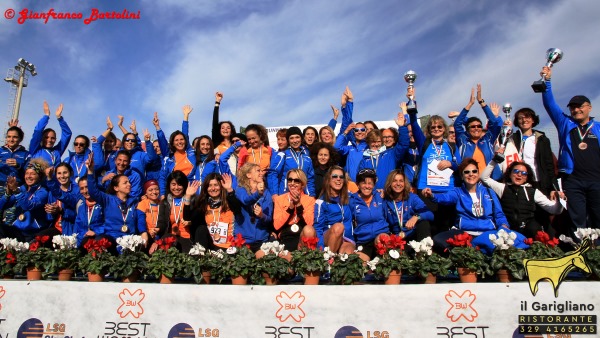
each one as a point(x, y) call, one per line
point(410, 77)
point(506, 130)
point(553, 55)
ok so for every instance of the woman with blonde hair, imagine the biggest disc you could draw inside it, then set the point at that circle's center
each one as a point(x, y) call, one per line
point(257, 206)
point(293, 211)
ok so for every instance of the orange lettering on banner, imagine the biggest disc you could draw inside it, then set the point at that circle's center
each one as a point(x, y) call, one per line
point(461, 305)
point(290, 306)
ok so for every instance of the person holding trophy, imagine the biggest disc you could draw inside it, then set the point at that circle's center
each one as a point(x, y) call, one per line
point(579, 158)
point(471, 140)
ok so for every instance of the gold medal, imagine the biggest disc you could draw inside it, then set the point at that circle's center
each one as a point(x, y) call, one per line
point(124, 228)
point(295, 228)
point(582, 146)
point(21, 217)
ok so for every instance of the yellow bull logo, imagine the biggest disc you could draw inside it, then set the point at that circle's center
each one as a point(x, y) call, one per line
point(555, 270)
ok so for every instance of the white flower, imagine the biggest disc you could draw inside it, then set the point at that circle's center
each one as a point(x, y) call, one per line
point(231, 250)
point(197, 250)
point(394, 254)
point(360, 248)
point(218, 253)
point(343, 257)
point(131, 242)
point(415, 245)
point(373, 264)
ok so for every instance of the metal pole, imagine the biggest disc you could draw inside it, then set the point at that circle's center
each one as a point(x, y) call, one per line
point(15, 115)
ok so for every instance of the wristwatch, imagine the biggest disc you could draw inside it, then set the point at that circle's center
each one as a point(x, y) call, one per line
point(482, 101)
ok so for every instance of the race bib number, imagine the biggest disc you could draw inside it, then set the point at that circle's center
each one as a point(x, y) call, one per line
point(218, 232)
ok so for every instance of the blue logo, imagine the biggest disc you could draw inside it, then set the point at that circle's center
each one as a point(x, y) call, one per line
point(348, 332)
point(31, 328)
point(181, 330)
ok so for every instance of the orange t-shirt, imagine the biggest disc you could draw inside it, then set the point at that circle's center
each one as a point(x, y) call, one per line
point(182, 163)
point(151, 212)
point(220, 226)
point(179, 227)
point(261, 156)
point(281, 203)
point(478, 156)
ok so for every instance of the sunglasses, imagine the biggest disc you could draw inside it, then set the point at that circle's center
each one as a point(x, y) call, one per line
point(468, 172)
point(129, 140)
point(451, 132)
point(336, 176)
point(294, 180)
point(475, 126)
point(77, 144)
point(360, 130)
point(367, 171)
point(517, 171)
point(436, 127)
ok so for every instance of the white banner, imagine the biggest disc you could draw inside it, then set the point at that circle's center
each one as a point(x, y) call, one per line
point(82, 309)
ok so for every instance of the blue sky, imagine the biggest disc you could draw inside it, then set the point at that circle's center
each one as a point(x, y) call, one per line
point(284, 62)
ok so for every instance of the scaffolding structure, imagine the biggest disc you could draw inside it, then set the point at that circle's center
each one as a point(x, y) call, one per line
point(18, 79)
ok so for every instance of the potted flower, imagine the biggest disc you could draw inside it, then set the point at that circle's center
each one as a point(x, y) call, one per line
point(391, 259)
point(132, 260)
point(592, 254)
point(427, 264)
point(468, 260)
point(98, 260)
point(346, 268)
point(506, 260)
point(167, 262)
point(239, 262)
point(309, 261)
point(64, 260)
point(205, 264)
point(9, 248)
point(542, 246)
point(273, 266)
point(34, 259)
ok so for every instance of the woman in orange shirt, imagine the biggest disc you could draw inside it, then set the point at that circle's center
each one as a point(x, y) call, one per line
point(257, 149)
point(294, 212)
point(212, 214)
point(150, 207)
point(170, 216)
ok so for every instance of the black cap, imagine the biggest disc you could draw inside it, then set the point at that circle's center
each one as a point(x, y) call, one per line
point(578, 100)
point(293, 131)
point(240, 136)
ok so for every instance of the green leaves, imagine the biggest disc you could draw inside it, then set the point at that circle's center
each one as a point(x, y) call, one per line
point(274, 266)
point(309, 260)
point(347, 269)
point(128, 262)
point(510, 259)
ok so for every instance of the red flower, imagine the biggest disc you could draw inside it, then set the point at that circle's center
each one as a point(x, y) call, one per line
point(544, 238)
point(10, 258)
point(310, 242)
point(34, 246)
point(95, 247)
point(528, 241)
point(166, 243)
point(463, 239)
point(389, 242)
point(237, 242)
point(42, 239)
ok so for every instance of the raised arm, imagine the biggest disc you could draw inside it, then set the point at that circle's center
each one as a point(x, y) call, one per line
point(36, 137)
point(163, 144)
point(556, 114)
point(65, 134)
point(459, 124)
point(216, 131)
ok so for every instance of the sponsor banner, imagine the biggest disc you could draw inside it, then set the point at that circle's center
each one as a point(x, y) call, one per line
point(80, 309)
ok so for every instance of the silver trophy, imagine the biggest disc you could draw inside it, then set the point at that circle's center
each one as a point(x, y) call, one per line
point(506, 130)
point(553, 55)
point(410, 77)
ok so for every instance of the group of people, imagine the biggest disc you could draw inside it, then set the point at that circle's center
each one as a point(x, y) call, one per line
point(431, 180)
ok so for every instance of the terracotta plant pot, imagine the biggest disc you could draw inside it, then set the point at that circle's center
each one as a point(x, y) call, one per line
point(65, 274)
point(8, 277)
point(95, 277)
point(430, 279)
point(135, 275)
point(34, 273)
point(269, 280)
point(393, 278)
point(467, 275)
point(206, 277)
point(504, 276)
point(166, 280)
point(312, 278)
point(239, 280)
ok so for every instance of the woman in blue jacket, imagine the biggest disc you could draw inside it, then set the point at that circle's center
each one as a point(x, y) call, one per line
point(121, 216)
point(43, 141)
point(76, 159)
point(89, 221)
point(405, 211)
point(62, 200)
point(256, 219)
point(368, 213)
point(478, 209)
point(333, 215)
point(381, 159)
point(29, 199)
